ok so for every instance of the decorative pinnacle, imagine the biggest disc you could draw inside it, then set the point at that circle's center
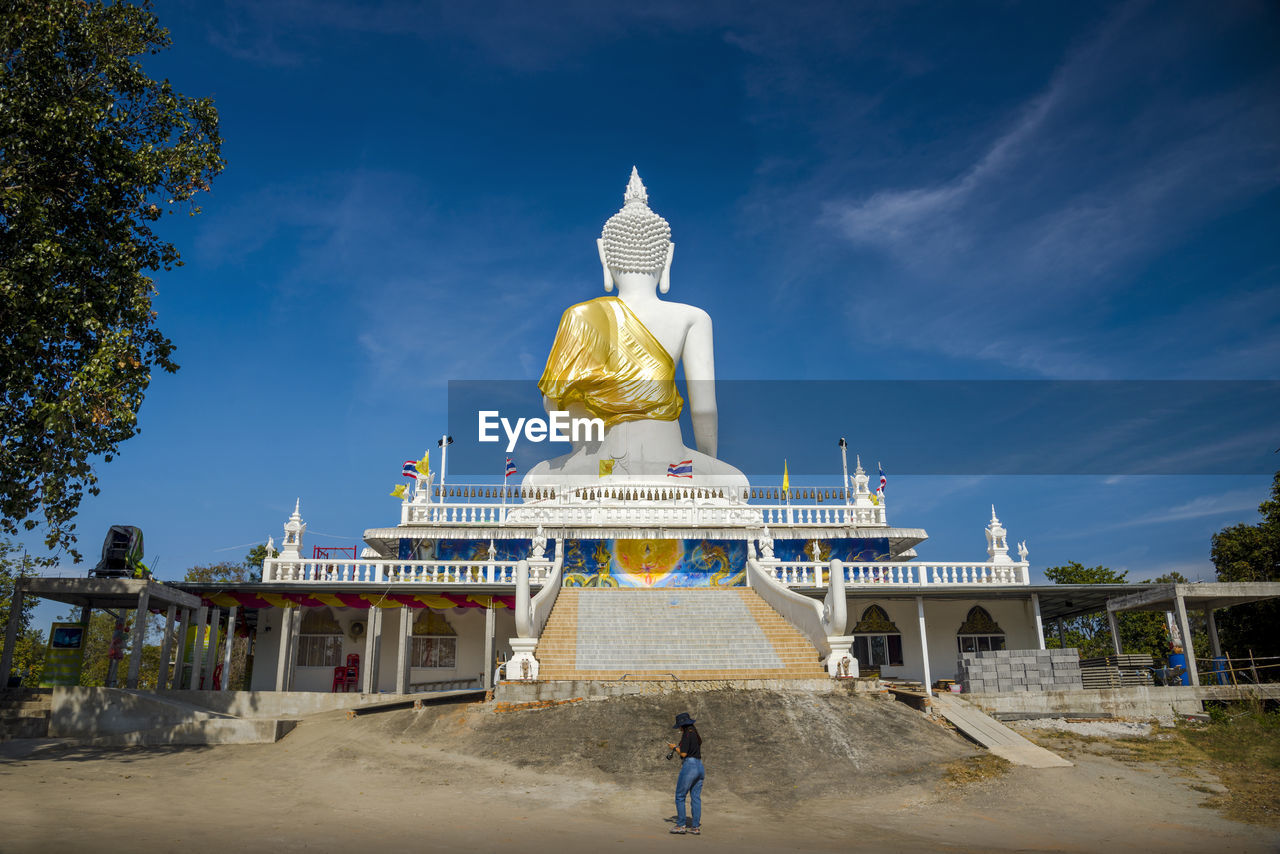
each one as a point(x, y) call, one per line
point(994, 520)
point(635, 190)
point(858, 458)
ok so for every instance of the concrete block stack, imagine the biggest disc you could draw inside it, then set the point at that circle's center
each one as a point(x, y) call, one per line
point(1007, 670)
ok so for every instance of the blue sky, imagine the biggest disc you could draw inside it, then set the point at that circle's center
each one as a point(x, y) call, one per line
point(857, 190)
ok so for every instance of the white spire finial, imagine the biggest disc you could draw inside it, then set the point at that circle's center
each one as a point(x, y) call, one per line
point(297, 507)
point(858, 458)
point(993, 514)
point(635, 190)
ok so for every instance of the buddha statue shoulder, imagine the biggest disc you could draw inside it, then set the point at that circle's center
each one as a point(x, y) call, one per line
point(615, 358)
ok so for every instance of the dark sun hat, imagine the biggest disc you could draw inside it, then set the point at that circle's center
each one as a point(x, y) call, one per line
point(683, 719)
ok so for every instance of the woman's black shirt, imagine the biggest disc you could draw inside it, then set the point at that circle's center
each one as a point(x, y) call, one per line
point(691, 743)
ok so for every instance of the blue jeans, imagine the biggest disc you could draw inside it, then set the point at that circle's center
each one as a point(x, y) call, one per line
point(690, 783)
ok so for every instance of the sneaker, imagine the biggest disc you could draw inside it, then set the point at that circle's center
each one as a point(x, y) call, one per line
point(695, 830)
point(679, 828)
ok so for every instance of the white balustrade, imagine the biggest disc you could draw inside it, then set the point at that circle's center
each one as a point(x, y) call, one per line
point(913, 573)
point(499, 572)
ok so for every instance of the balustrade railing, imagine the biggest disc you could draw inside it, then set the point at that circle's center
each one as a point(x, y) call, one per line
point(282, 569)
point(913, 573)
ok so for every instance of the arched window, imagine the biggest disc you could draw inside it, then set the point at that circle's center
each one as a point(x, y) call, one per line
point(978, 632)
point(876, 640)
point(435, 643)
point(319, 639)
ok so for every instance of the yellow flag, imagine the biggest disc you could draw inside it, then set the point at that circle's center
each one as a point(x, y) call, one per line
point(875, 500)
point(606, 467)
point(786, 478)
point(424, 464)
point(398, 491)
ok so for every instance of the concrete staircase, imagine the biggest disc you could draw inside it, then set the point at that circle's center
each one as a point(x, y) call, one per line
point(686, 633)
point(25, 712)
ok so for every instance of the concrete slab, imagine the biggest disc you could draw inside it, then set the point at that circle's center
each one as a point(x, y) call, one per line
point(995, 736)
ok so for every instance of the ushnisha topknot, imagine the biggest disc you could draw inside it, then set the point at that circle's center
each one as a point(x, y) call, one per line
point(635, 238)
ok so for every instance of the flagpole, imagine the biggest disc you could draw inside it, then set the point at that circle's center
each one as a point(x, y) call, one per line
point(844, 464)
point(503, 514)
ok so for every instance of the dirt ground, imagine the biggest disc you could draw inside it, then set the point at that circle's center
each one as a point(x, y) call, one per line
point(786, 772)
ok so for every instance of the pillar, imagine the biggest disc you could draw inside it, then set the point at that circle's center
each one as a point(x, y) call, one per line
point(166, 647)
point(291, 660)
point(1114, 624)
point(1187, 646)
point(1035, 607)
point(489, 629)
point(178, 655)
point(402, 651)
point(924, 647)
point(282, 650)
point(197, 650)
point(1212, 625)
point(139, 638)
point(372, 646)
point(1062, 636)
point(231, 640)
point(11, 631)
point(211, 657)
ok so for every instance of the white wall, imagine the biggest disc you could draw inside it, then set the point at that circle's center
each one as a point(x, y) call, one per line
point(467, 622)
point(942, 618)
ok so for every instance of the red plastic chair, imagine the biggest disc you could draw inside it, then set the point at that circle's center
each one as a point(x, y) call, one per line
point(353, 672)
point(339, 680)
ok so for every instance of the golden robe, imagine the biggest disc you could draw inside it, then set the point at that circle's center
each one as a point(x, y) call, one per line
point(605, 359)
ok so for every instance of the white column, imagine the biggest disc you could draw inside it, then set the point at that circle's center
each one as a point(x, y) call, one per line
point(488, 646)
point(282, 649)
point(231, 642)
point(1035, 607)
point(295, 631)
point(924, 646)
point(166, 646)
point(372, 643)
point(1115, 631)
point(211, 658)
point(402, 651)
point(197, 653)
point(176, 681)
point(1188, 647)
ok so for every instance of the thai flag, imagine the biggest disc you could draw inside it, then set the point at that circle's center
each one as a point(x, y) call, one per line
point(410, 469)
point(684, 468)
point(511, 467)
point(883, 480)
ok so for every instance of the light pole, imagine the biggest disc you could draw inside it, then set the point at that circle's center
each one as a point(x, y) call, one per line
point(444, 442)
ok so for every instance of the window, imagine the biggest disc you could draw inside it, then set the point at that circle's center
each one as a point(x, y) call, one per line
point(876, 640)
point(319, 640)
point(434, 643)
point(979, 633)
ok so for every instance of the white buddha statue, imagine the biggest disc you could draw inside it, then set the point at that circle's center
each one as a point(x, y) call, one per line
point(615, 358)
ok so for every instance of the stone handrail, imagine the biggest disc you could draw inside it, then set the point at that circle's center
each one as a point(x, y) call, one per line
point(379, 571)
point(806, 614)
point(674, 513)
point(914, 573)
point(545, 599)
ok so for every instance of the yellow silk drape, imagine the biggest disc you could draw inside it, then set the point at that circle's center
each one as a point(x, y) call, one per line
point(605, 359)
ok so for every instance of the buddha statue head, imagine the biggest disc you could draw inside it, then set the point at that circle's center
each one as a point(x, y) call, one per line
point(635, 245)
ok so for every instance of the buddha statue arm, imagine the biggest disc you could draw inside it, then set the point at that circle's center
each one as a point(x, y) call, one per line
point(700, 375)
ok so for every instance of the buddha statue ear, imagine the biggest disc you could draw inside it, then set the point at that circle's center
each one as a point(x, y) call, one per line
point(608, 276)
point(664, 283)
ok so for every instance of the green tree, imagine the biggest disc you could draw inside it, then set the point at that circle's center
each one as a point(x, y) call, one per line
point(92, 153)
point(28, 654)
point(1251, 553)
point(1141, 632)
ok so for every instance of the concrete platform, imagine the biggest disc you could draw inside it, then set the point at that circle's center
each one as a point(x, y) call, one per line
point(1136, 701)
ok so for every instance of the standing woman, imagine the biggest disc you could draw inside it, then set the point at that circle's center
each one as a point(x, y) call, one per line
point(691, 774)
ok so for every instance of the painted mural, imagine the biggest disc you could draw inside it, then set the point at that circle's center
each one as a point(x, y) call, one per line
point(479, 549)
point(866, 549)
point(655, 563)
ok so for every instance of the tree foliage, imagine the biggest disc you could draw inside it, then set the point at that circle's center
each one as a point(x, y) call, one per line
point(1141, 632)
point(29, 650)
point(92, 153)
point(1251, 553)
